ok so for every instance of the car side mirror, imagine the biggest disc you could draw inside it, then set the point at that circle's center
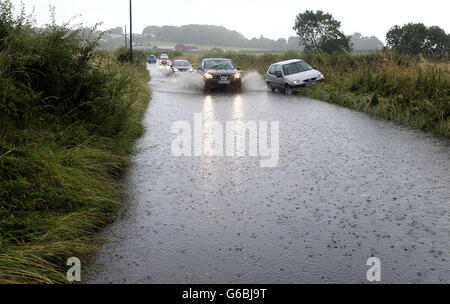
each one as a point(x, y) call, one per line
point(238, 68)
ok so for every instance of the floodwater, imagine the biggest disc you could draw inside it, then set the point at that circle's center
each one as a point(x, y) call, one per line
point(347, 187)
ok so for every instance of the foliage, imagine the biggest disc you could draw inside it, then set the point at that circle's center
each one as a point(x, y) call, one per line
point(123, 55)
point(69, 116)
point(215, 36)
point(417, 39)
point(320, 32)
point(365, 44)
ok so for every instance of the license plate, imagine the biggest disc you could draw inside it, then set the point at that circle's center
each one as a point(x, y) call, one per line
point(224, 82)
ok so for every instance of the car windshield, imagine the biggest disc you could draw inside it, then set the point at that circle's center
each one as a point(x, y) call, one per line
point(181, 63)
point(296, 67)
point(219, 65)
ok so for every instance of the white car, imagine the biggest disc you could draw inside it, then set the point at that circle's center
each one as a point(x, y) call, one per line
point(164, 60)
point(292, 75)
point(182, 66)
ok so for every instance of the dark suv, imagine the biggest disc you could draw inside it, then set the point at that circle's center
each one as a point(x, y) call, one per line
point(219, 73)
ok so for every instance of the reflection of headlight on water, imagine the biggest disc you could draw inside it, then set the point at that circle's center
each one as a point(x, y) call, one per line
point(208, 99)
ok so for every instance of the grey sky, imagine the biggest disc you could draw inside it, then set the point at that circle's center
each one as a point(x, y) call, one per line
point(251, 18)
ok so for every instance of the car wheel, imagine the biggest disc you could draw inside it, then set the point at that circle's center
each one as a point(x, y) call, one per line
point(288, 90)
point(269, 86)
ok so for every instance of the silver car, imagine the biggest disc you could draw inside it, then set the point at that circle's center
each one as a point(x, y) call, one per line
point(292, 75)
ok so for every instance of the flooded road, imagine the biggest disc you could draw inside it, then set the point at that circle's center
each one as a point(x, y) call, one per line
point(347, 187)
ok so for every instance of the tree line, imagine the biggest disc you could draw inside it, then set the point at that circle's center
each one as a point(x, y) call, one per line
point(220, 36)
point(316, 32)
point(320, 32)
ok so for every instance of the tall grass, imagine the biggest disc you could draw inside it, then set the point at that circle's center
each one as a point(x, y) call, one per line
point(68, 117)
point(412, 91)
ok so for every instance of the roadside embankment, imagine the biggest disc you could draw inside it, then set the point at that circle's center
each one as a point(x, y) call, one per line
point(69, 116)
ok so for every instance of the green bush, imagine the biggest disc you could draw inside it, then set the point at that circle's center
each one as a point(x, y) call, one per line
point(68, 117)
point(53, 74)
point(124, 55)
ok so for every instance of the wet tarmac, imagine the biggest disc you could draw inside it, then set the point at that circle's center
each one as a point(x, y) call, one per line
point(347, 187)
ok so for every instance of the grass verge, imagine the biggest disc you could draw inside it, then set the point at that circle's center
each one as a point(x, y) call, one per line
point(62, 189)
point(69, 116)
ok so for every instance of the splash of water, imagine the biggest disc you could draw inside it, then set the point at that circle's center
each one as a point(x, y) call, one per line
point(182, 82)
point(193, 82)
point(253, 82)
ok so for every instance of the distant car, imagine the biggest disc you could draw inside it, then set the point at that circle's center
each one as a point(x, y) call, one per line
point(152, 59)
point(182, 66)
point(292, 75)
point(164, 60)
point(219, 73)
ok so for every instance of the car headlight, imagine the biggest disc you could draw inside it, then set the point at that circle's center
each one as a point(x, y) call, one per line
point(237, 75)
point(176, 70)
point(208, 76)
point(321, 76)
point(295, 82)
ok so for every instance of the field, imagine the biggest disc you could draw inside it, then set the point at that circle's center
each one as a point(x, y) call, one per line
point(206, 48)
point(411, 91)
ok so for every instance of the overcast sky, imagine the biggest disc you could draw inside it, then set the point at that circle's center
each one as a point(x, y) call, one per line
point(272, 19)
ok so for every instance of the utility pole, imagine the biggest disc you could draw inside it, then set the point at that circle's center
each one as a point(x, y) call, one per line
point(126, 40)
point(131, 31)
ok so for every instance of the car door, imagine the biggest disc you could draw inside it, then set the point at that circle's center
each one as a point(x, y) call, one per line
point(269, 75)
point(279, 81)
point(201, 69)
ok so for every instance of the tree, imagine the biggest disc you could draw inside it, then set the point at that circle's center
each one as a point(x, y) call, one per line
point(362, 43)
point(116, 31)
point(294, 44)
point(280, 44)
point(320, 32)
point(416, 39)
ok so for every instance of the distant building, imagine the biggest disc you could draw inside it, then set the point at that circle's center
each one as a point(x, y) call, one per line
point(185, 47)
point(217, 50)
point(167, 48)
point(143, 47)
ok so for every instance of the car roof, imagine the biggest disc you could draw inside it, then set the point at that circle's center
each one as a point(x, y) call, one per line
point(288, 61)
